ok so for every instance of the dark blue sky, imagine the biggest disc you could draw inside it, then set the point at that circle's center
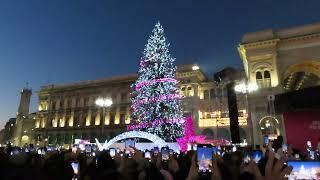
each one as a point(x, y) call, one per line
point(60, 41)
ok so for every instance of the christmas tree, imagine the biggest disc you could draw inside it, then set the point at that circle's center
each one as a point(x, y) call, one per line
point(156, 102)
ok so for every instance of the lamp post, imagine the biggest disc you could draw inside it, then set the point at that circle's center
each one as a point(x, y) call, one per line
point(103, 103)
point(247, 88)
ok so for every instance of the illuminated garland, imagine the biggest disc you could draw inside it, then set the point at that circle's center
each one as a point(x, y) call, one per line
point(137, 103)
point(154, 123)
point(146, 83)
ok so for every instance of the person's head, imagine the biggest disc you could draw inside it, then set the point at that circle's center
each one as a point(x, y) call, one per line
point(130, 170)
point(105, 161)
point(153, 173)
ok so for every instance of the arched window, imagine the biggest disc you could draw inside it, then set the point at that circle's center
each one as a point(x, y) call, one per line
point(269, 126)
point(206, 94)
point(267, 79)
point(53, 105)
point(183, 91)
point(259, 79)
point(212, 93)
point(258, 75)
point(189, 91)
point(60, 104)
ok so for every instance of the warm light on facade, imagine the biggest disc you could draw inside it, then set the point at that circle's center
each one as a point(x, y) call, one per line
point(215, 119)
point(250, 87)
point(37, 125)
point(71, 121)
point(88, 119)
point(62, 122)
point(117, 118)
point(195, 67)
point(97, 118)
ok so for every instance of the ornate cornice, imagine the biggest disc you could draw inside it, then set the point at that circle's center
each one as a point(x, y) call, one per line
point(278, 41)
point(260, 44)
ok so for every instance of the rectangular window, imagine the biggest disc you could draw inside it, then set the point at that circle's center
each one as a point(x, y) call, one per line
point(86, 102)
point(53, 105)
point(112, 118)
point(212, 93)
point(122, 118)
point(60, 104)
point(205, 94)
point(123, 96)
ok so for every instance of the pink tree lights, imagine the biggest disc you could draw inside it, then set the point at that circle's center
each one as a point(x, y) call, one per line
point(189, 136)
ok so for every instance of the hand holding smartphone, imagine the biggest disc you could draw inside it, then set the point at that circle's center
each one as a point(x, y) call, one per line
point(147, 155)
point(112, 152)
point(257, 155)
point(75, 167)
point(204, 158)
point(165, 153)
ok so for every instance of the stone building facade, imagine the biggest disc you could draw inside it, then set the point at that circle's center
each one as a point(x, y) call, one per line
point(278, 61)
point(68, 112)
point(24, 124)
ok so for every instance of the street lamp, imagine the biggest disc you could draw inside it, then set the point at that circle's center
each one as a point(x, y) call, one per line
point(103, 103)
point(247, 88)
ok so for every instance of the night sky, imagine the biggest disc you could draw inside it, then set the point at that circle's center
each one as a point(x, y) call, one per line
point(61, 41)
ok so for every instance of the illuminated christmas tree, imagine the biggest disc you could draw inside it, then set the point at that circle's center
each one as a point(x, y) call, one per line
point(156, 102)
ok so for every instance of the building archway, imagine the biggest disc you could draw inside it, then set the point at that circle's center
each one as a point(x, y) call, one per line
point(269, 126)
point(133, 134)
point(302, 75)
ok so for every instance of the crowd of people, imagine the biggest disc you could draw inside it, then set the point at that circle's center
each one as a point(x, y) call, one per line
point(28, 163)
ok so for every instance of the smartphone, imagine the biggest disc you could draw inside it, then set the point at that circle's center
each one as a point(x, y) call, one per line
point(75, 167)
point(147, 155)
point(311, 155)
point(194, 147)
point(165, 153)
point(156, 150)
point(129, 143)
point(39, 151)
point(265, 140)
point(257, 155)
point(128, 152)
point(88, 148)
point(112, 152)
point(204, 158)
point(171, 151)
point(304, 169)
point(234, 149)
point(246, 157)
